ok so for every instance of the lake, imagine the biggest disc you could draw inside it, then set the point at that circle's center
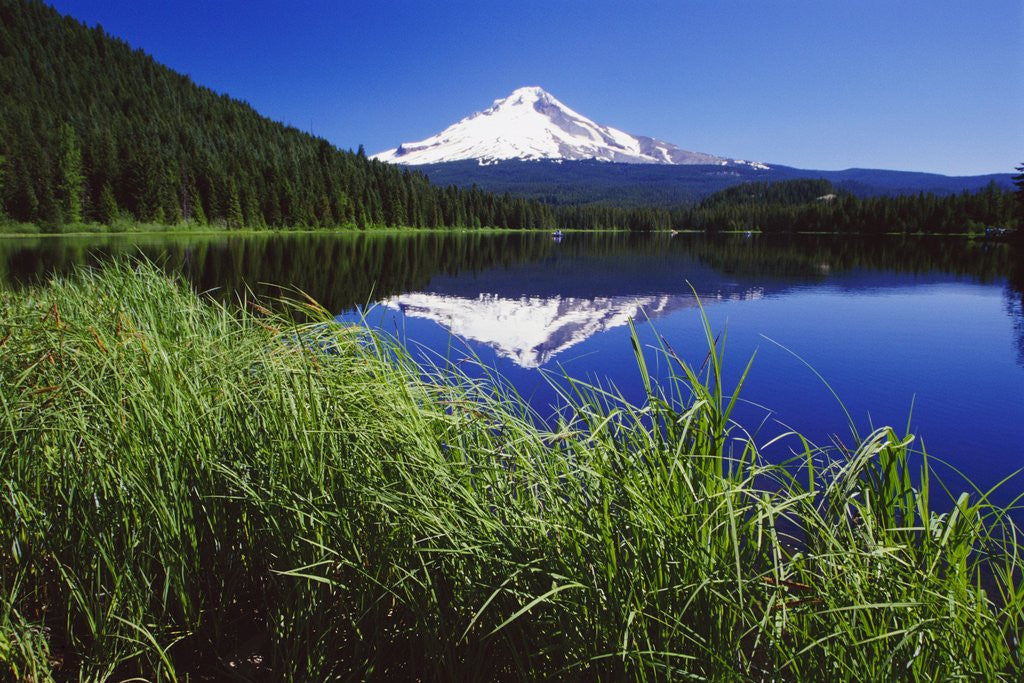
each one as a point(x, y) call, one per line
point(924, 330)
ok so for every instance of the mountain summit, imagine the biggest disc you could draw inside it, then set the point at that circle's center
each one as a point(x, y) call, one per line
point(531, 124)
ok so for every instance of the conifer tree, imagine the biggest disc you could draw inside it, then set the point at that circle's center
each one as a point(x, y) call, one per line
point(3, 185)
point(107, 210)
point(138, 119)
point(1018, 180)
point(72, 180)
point(195, 204)
point(233, 214)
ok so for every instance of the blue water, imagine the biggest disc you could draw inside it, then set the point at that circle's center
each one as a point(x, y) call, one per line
point(923, 330)
point(936, 351)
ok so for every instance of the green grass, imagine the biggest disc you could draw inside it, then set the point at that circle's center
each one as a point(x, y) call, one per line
point(12, 229)
point(191, 490)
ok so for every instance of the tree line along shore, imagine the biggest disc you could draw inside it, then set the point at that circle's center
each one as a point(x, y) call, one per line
point(97, 136)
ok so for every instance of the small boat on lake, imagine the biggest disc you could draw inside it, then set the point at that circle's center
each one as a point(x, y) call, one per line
point(996, 233)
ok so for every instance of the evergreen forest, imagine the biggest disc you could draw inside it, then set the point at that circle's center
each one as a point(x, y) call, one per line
point(94, 131)
point(818, 206)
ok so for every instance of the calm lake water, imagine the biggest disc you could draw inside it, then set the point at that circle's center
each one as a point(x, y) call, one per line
point(933, 324)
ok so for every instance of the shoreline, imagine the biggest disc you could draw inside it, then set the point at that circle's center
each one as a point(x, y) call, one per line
point(217, 232)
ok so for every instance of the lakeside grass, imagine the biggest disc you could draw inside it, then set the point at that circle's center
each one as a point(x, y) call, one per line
point(11, 229)
point(196, 489)
point(14, 229)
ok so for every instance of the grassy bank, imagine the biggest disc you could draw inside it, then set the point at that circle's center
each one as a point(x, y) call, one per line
point(128, 228)
point(14, 229)
point(193, 489)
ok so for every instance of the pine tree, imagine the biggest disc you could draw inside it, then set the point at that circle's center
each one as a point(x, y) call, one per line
point(3, 186)
point(253, 217)
point(234, 217)
point(49, 209)
point(195, 204)
point(72, 179)
point(107, 210)
point(1018, 180)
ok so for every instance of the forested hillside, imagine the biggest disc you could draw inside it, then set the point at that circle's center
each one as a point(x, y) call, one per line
point(816, 205)
point(666, 185)
point(812, 206)
point(786, 192)
point(91, 130)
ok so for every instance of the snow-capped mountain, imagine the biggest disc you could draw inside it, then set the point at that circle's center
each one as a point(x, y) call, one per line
point(531, 124)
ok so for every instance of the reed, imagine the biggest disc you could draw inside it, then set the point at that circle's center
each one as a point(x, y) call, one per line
point(192, 489)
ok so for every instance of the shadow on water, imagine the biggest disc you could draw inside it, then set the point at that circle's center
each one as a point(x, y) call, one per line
point(343, 271)
point(340, 271)
point(346, 266)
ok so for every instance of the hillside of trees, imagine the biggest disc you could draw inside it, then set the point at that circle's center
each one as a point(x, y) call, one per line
point(812, 206)
point(93, 130)
point(666, 185)
point(817, 206)
point(765, 193)
point(588, 181)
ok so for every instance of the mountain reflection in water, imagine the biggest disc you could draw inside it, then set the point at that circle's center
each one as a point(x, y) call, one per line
point(532, 330)
point(930, 322)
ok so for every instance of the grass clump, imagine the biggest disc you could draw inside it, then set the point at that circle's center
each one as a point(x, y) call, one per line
point(199, 490)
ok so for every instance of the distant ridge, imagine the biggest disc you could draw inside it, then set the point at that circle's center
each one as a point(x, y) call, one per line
point(588, 181)
point(532, 145)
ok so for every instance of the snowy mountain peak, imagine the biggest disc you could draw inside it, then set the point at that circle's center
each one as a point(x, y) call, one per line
point(526, 93)
point(530, 123)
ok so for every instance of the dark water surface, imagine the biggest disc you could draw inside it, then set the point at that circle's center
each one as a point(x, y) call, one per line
point(933, 323)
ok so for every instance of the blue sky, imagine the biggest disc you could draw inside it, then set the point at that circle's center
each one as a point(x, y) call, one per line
point(930, 86)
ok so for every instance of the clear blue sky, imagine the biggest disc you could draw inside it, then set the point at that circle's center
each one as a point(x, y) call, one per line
point(925, 85)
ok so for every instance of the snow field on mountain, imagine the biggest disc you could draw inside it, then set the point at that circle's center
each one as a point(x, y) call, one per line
point(532, 124)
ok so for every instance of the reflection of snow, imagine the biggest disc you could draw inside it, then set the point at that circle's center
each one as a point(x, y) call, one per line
point(531, 330)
